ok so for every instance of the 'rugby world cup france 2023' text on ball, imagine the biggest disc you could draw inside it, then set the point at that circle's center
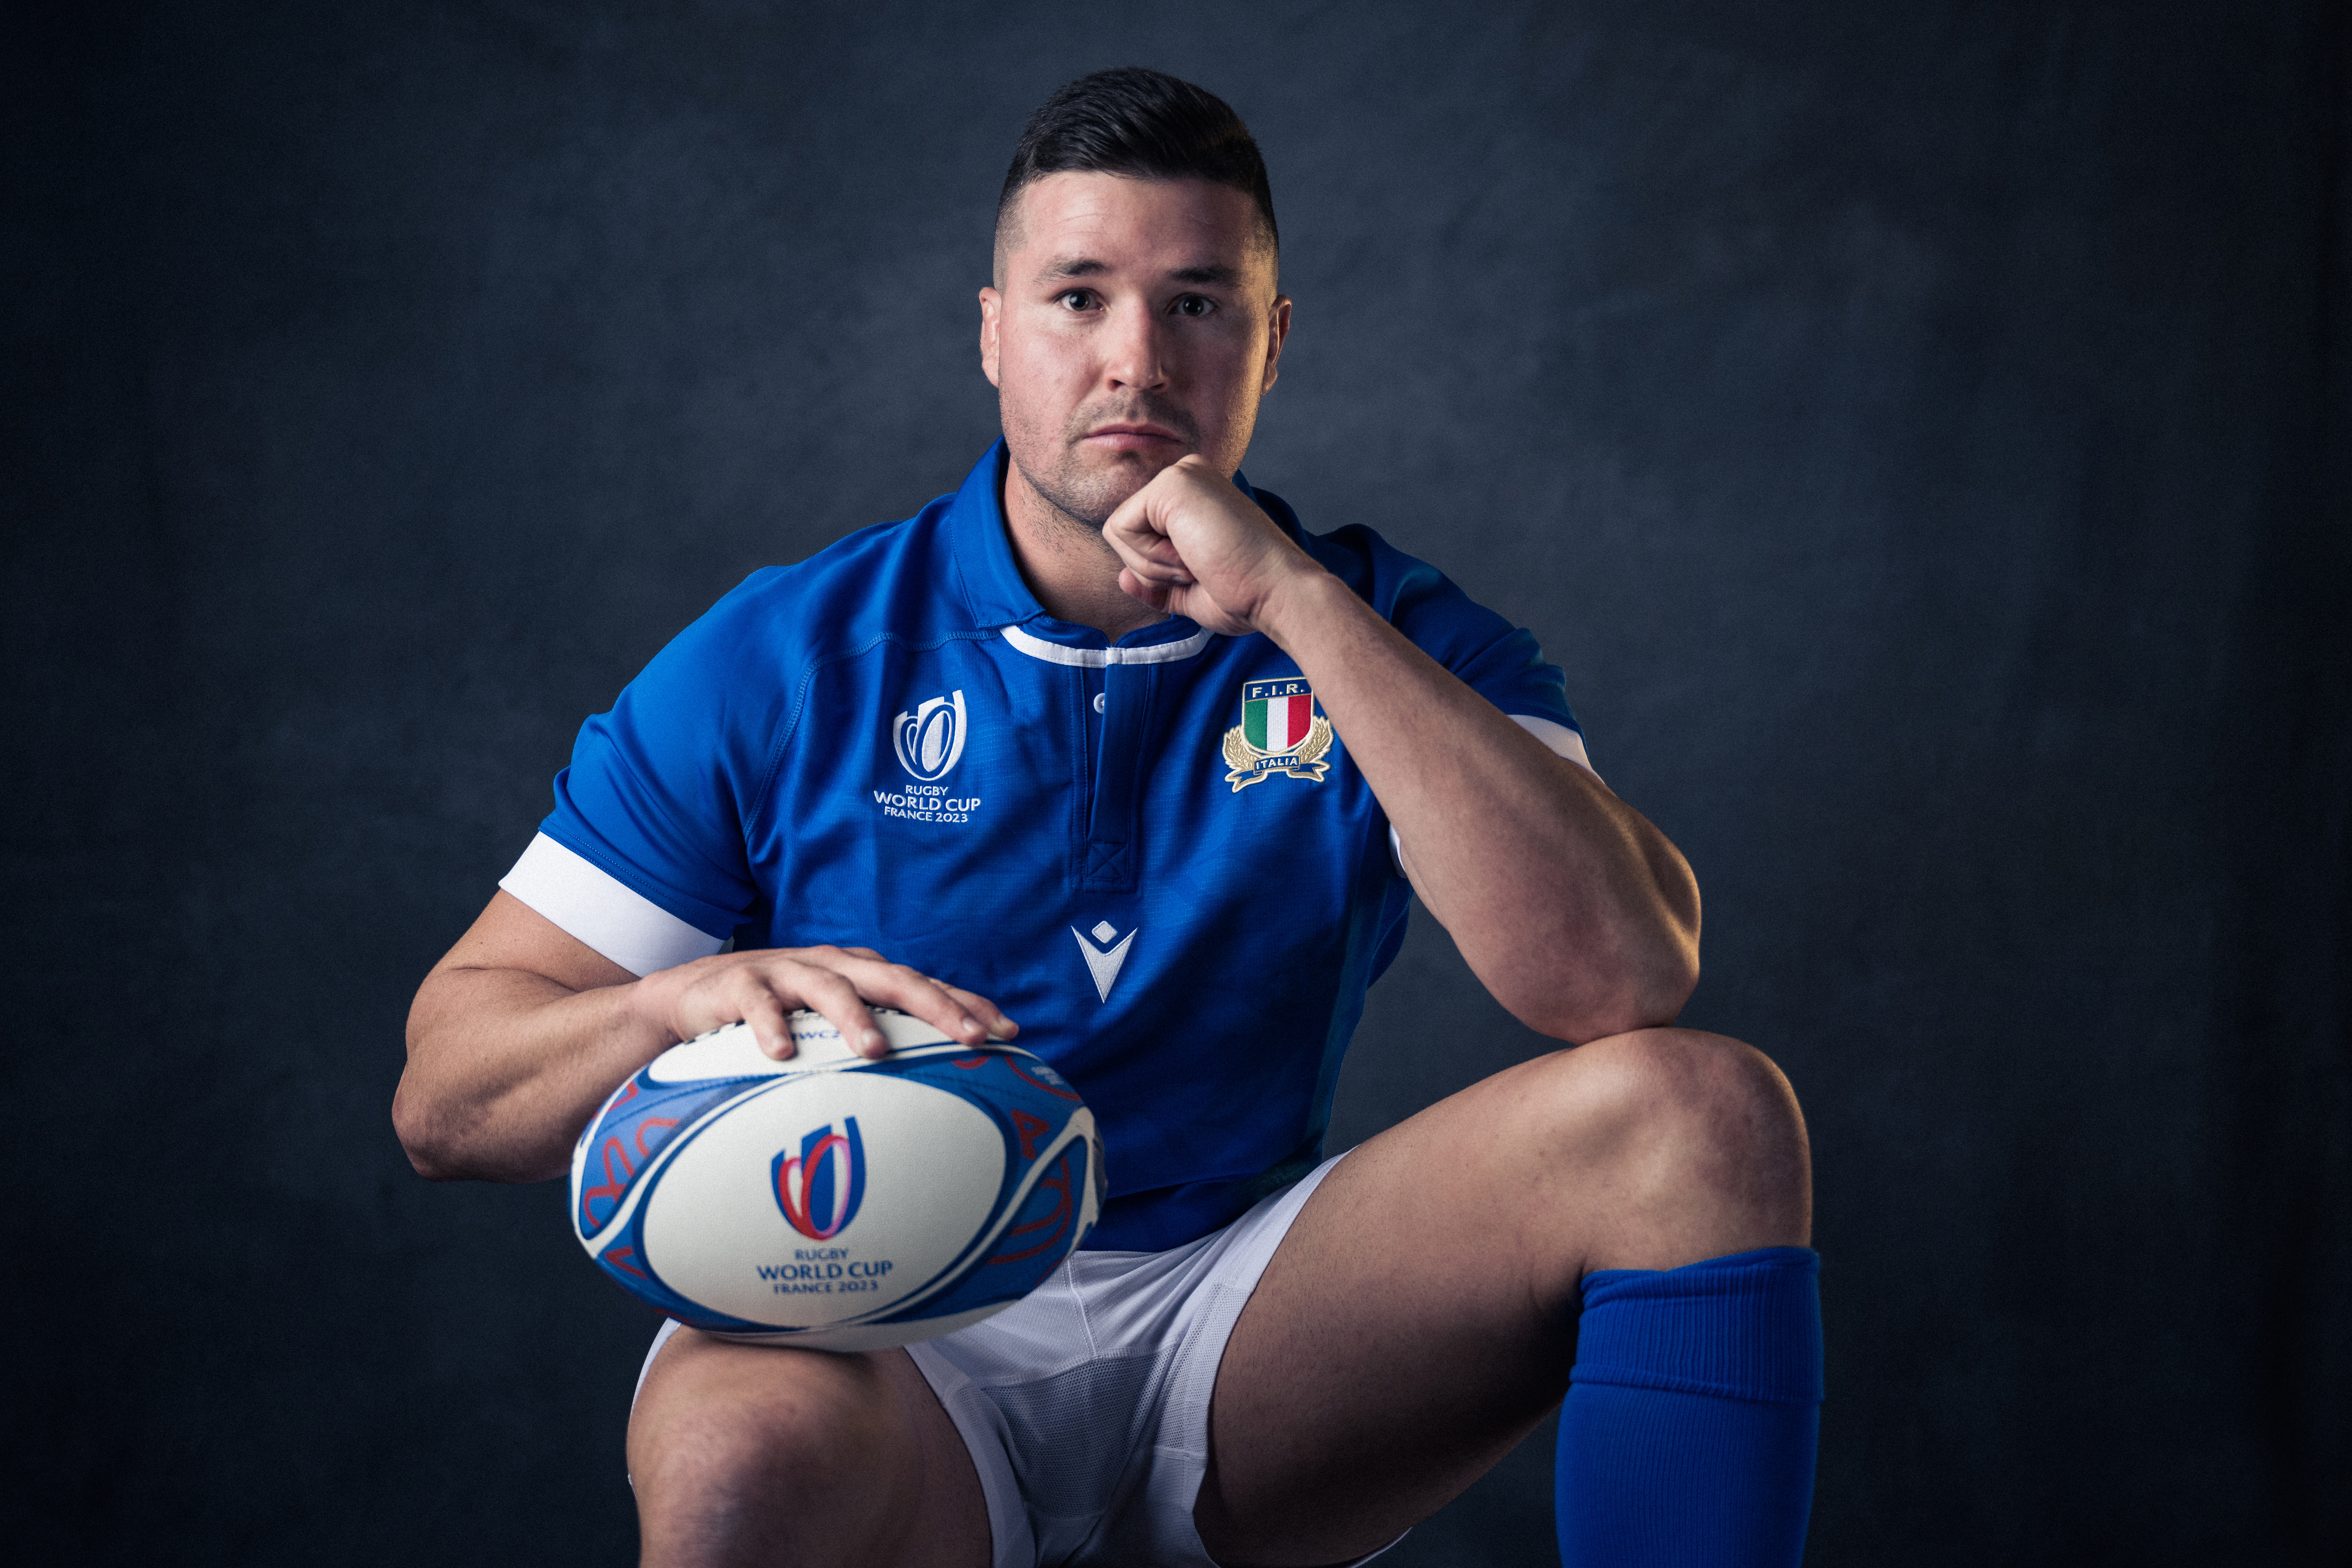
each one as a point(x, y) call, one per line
point(831, 1200)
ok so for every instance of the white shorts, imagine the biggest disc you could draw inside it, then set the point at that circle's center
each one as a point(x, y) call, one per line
point(1086, 1404)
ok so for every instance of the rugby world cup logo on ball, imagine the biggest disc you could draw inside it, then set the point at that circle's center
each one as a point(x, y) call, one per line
point(832, 1201)
point(820, 1187)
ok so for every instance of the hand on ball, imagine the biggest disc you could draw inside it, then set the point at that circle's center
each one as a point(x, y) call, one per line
point(765, 986)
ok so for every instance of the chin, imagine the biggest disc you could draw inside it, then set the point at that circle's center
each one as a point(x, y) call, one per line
point(1092, 491)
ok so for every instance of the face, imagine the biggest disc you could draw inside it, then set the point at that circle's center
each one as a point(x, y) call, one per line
point(1132, 321)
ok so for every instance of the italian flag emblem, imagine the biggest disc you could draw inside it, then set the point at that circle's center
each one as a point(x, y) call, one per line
point(1280, 732)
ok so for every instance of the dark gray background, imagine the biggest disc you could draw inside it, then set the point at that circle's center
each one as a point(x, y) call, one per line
point(1919, 429)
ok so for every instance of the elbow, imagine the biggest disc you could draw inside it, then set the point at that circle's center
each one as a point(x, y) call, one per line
point(420, 1119)
point(425, 1165)
point(429, 1165)
point(1663, 996)
point(1645, 991)
point(450, 1141)
point(1581, 1021)
point(432, 1153)
point(1667, 985)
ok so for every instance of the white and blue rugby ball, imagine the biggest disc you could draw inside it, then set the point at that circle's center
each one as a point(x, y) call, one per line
point(834, 1201)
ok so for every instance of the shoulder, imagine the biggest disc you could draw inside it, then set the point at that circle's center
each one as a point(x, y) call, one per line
point(1407, 591)
point(734, 678)
point(1499, 659)
point(894, 579)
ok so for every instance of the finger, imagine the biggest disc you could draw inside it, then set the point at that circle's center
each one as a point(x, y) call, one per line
point(1188, 600)
point(975, 1006)
point(770, 1025)
point(831, 994)
point(843, 983)
point(1133, 515)
point(1138, 535)
point(1135, 587)
point(1134, 553)
point(1156, 555)
point(881, 983)
point(992, 1020)
point(917, 993)
point(822, 977)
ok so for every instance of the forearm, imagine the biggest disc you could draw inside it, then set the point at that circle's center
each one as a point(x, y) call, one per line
point(505, 1066)
point(522, 1030)
point(1567, 903)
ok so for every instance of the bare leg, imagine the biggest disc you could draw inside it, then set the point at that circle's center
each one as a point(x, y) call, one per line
point(751, 1454)
point(1419, 1319)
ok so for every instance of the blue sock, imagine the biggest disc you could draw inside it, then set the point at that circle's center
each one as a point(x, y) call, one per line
point(1688, 1431)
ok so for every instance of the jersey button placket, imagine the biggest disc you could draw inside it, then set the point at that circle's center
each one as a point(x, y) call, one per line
point(1108, 862)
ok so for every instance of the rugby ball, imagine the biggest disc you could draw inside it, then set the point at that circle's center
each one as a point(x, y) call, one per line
point(831, 1199)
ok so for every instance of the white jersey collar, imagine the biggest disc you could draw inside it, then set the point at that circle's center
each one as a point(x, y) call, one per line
point(1036, 646)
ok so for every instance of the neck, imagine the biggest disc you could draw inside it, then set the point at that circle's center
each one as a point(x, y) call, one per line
point(1067, 564)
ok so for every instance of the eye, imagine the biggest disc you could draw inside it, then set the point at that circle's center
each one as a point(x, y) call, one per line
point(1195, 305)
point(1075, 299)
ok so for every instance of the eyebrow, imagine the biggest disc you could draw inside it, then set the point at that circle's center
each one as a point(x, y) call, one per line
point(1214, 272)
point(1208, 273)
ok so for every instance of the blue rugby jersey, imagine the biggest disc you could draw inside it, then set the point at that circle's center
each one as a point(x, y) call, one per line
point(1154, 854)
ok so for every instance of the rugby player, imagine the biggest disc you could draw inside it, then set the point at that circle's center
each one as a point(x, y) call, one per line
point(1106, 742)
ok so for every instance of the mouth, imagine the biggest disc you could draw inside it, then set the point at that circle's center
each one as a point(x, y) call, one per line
point(1131, 435)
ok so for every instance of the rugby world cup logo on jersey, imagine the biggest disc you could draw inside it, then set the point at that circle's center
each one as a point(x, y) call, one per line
point(1280, 732)
point(820, 1187)
point(929, 744)
point(929, 741)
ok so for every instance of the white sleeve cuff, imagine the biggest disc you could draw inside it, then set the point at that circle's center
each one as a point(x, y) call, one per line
point(1562, 740)
point(615, 918)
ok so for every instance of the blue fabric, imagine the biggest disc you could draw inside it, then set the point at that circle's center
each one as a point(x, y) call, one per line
point(1689, 1434)
point(891, 745)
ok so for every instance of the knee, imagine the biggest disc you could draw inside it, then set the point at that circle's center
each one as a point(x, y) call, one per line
point(1683, 1087)
point(1697, 1127)
point(706, 1443)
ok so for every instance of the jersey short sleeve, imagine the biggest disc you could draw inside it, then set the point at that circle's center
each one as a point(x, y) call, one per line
point(644, 856)
point(1501, 662)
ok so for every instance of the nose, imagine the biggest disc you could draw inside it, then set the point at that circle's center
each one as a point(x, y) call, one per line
point(1134, 356)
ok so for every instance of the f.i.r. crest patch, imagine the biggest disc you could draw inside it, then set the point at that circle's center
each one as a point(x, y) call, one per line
point(1280, 732)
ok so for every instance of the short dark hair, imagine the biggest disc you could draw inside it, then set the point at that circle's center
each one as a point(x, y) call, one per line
point(1145, 124)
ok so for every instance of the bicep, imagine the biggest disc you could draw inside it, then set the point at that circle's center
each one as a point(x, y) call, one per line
point(1561, 741)
point(510, 1049)
point(511, 935)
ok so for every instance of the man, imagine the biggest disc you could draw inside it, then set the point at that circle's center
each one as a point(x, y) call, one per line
point(1187, 762)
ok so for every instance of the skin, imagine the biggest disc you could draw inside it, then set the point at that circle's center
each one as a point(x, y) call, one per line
point(1130, 331)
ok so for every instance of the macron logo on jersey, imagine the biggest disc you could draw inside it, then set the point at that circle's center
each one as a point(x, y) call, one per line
point(929, 741)
point(1103, 963)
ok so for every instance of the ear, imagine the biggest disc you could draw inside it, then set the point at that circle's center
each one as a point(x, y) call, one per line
point(992, 307)
point(1277, 331)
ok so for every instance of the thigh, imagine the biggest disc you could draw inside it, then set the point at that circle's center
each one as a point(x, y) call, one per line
point(1419, 1317)
point(757, 1454)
